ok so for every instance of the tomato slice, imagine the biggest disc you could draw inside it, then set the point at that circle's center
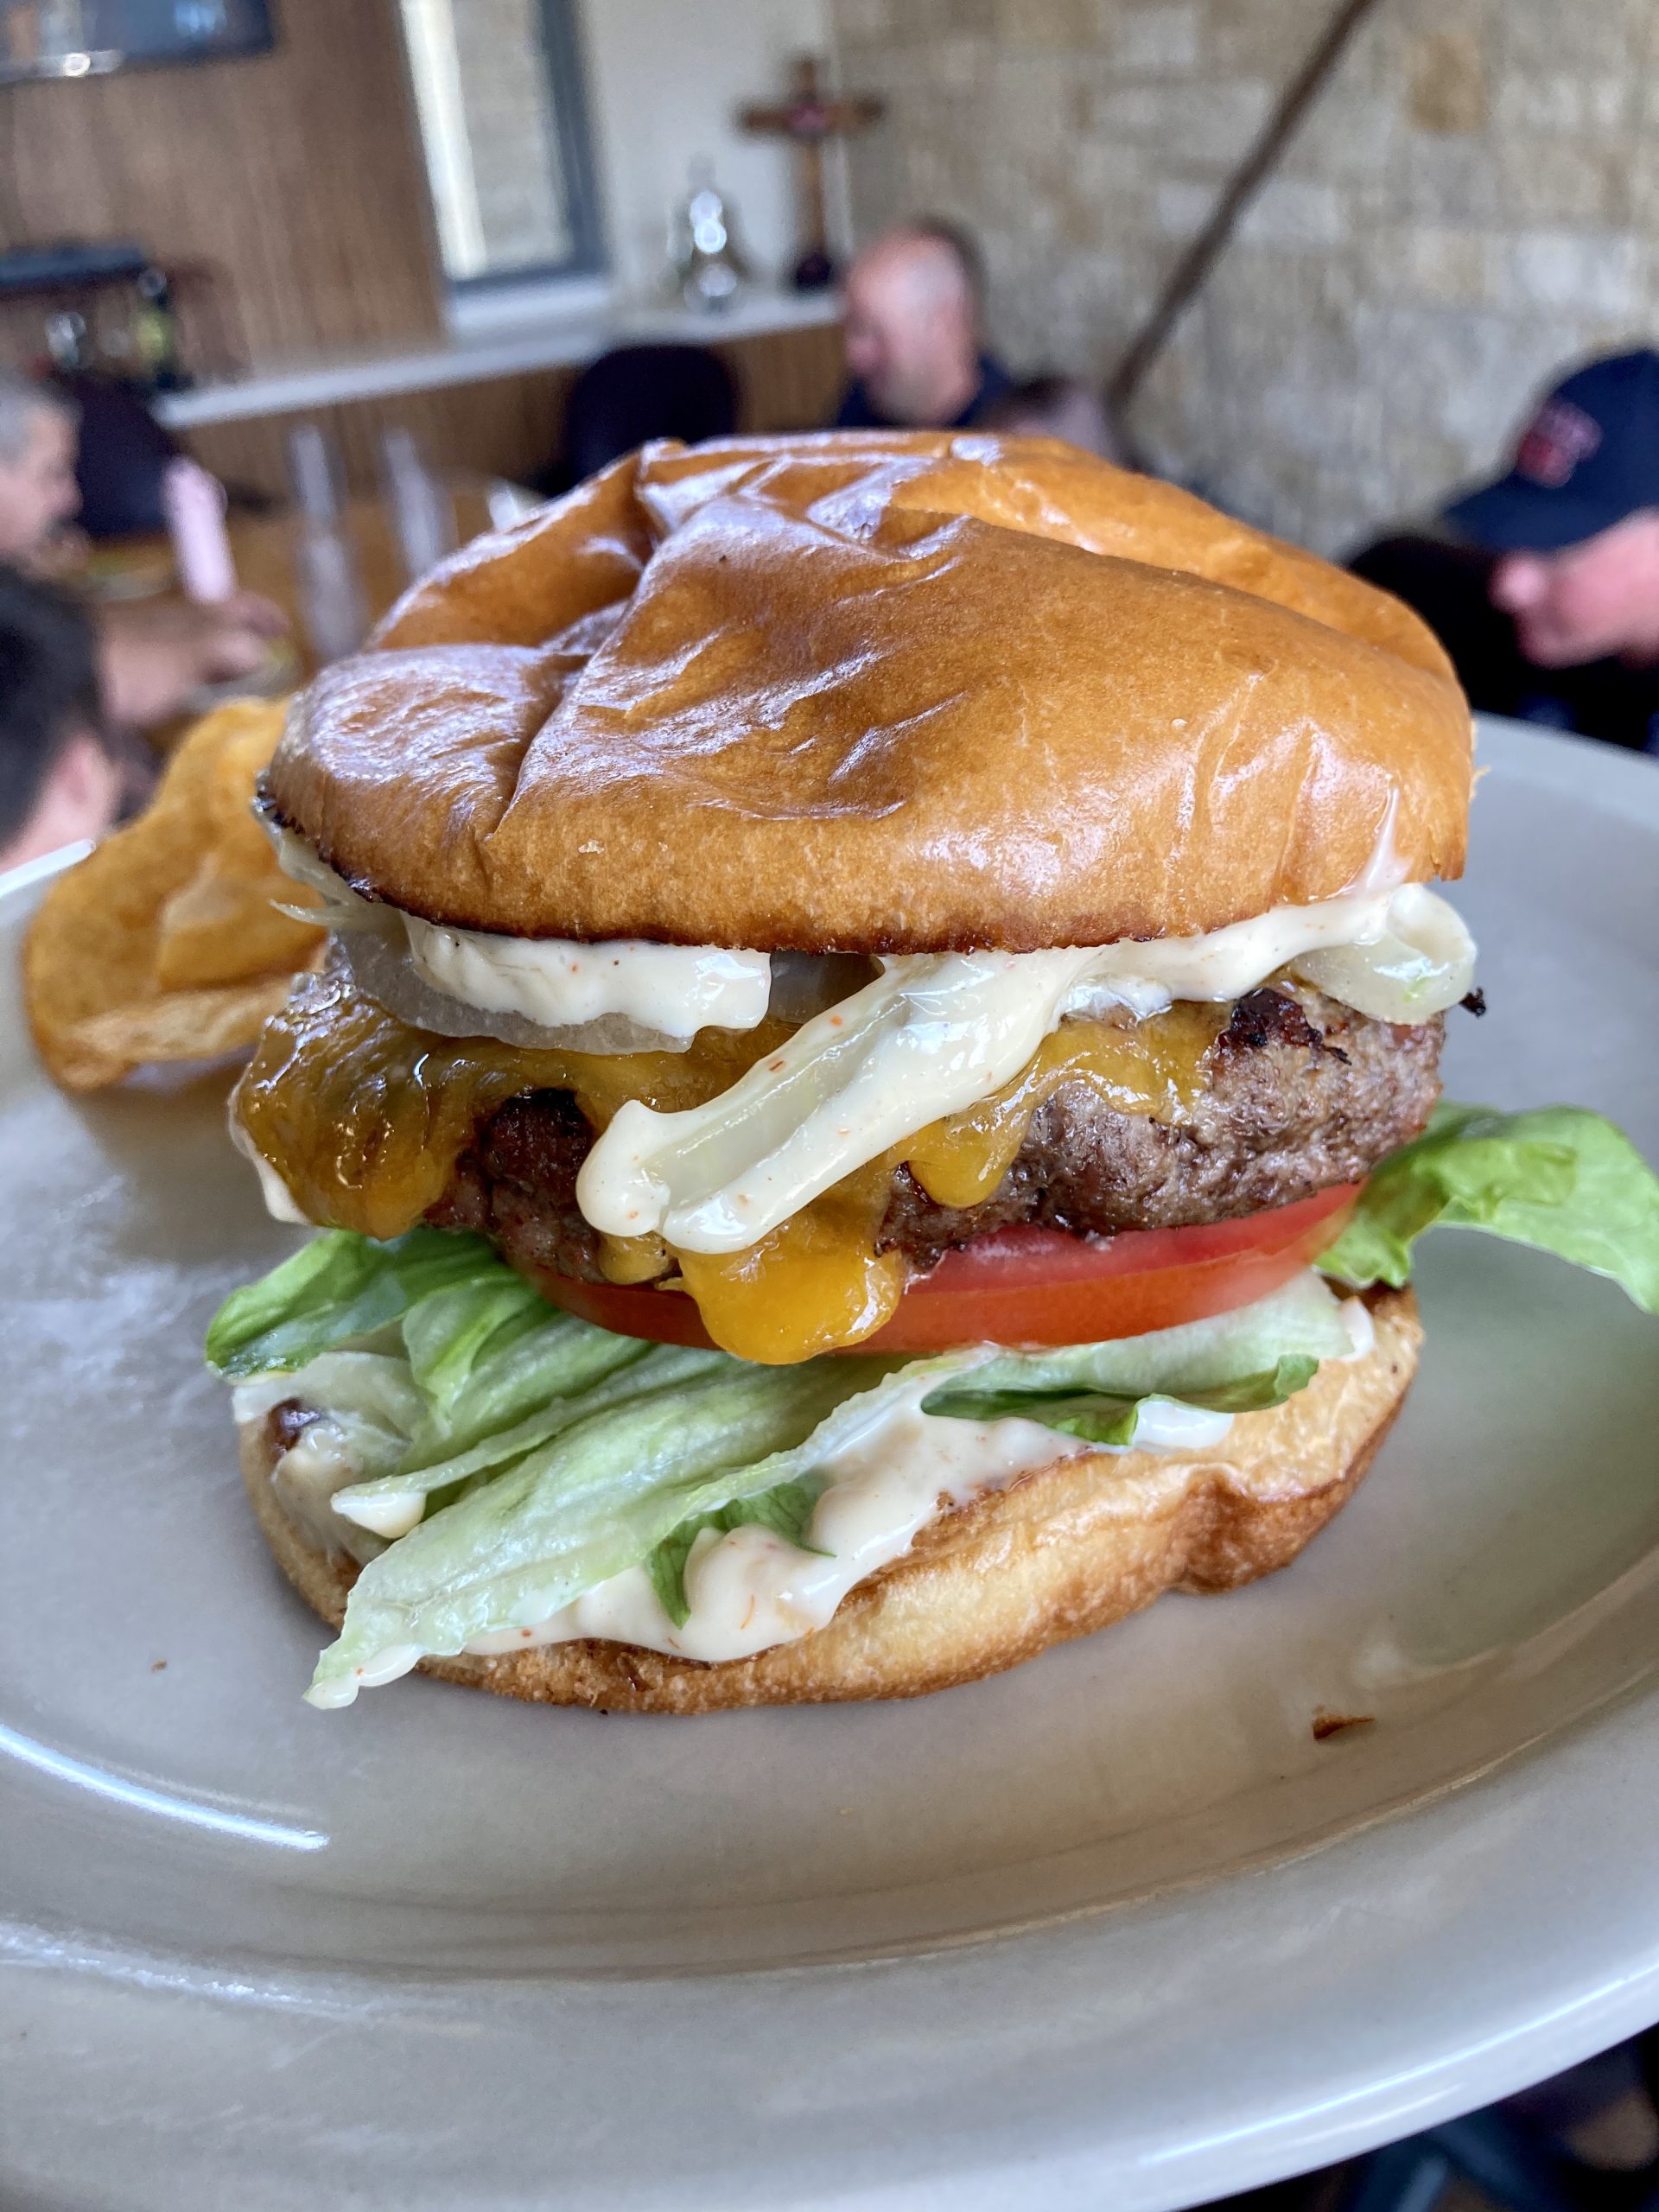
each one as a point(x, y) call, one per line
point(1028, 1287)
point(1032, 1286)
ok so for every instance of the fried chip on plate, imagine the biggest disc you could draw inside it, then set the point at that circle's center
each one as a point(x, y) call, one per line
point(163, 944)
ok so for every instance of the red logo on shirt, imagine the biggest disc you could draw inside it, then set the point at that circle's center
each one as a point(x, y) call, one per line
point(1559, 437)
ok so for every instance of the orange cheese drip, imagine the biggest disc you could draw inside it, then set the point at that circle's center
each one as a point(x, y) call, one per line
point(364, 1118)
point(1153, 1067)
point(814, 1283)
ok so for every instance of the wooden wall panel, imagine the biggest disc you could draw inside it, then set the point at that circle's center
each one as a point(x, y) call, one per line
point(297, 174)
point(787, 380)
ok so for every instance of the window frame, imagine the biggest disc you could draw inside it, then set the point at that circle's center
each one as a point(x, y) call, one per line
point(566, 84)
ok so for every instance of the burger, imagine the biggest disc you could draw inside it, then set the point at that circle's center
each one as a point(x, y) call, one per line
point(873, 1081)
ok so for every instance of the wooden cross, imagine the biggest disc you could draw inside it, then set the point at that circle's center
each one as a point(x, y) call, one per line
point(807, 120)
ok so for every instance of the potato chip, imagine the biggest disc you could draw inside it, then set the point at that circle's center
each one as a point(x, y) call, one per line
point(164, 943)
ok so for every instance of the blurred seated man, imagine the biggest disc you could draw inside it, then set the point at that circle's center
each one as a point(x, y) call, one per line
point(1062, 407)
point(1543, 586)
point(153, 658)
point(39, 496)
point(58, 781)
point(913, 300)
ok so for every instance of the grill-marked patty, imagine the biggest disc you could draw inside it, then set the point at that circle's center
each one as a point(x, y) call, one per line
point(1300, 1093)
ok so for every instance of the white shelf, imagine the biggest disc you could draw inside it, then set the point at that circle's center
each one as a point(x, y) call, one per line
point(511, 349)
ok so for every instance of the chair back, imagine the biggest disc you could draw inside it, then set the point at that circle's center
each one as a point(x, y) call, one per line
point(639, 392)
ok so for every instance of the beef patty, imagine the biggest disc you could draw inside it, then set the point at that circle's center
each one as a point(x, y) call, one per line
point(1299, 1092)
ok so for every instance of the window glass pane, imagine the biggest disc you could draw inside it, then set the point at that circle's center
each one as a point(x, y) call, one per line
point(484, 88)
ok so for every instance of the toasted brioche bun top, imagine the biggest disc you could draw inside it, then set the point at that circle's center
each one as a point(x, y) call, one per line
point(879, 693)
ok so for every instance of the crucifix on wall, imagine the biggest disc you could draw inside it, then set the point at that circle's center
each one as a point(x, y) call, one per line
point(808, 119)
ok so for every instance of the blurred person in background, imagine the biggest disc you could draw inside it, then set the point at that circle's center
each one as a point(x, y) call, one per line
point(1065, 407)
point(914, 302)
point(39, 496)
point(1543, 585)
point(58, 781)
point(153, 658)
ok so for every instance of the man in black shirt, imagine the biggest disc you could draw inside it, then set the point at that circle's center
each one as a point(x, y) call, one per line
point(1543, 586)
point(913, 300)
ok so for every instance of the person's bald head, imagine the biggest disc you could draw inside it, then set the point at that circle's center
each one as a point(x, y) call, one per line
point(912, 307)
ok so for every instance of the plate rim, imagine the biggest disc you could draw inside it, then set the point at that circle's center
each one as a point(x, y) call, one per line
point(1617, 1992)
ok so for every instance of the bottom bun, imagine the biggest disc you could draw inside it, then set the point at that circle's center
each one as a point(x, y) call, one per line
point(1066, 1550)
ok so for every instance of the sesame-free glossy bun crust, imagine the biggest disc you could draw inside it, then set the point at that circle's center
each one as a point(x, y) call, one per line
point(879, 693)
point(1064, 1552)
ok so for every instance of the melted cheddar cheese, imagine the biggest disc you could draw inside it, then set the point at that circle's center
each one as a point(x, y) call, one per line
point(364, 1118)
point(1153, 1067)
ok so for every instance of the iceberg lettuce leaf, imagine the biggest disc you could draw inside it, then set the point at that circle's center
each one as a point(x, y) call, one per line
point(421, 1476)
point(549, 1355)
point(376, 1384)
point(1103, 1417)
point(337, 1288)
point(596, 1498)
point(544, 1455)
point(1558, 1178)
point(448, 1332)
point(1300, 1319)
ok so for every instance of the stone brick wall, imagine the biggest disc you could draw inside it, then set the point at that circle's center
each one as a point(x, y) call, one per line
point(1473, 201)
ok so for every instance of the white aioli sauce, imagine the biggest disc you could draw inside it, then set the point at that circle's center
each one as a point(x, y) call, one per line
point(279, 1199)
point(934, 1034)
point(676, 988)
point(1362, 1329)
point(390, 1517)
point(317, 1463)
point(556, 982)
point(748, 1588)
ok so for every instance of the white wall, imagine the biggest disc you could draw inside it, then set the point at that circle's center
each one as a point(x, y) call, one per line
point(666, 79)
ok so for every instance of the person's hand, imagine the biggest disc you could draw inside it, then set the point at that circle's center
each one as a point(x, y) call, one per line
point(1592, 601)
point(60, 557)
point(156, 658)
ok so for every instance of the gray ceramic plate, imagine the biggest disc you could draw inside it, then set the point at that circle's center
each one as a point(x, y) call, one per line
point(1112, 1929)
